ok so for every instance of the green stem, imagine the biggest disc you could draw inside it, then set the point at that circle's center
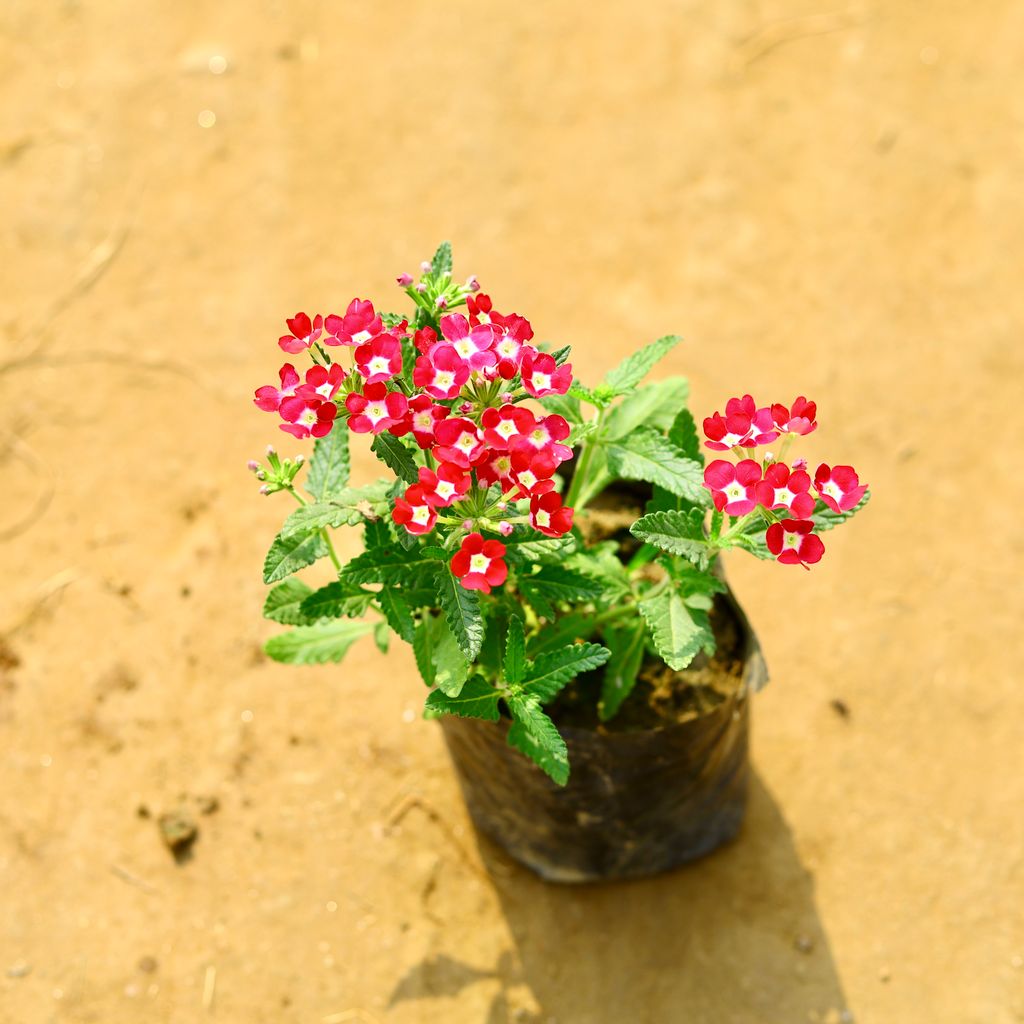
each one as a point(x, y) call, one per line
point(581, 484)
point(323, 533)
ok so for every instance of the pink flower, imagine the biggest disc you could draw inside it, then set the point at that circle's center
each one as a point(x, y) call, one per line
point(782, 488)
point(839, 487)
point(479, 308)
point(441, 373)
point(445, 487)
point(733, 487)
point(305, 417)
point(797, 420)
point(422, 417)
point(404, 280)
point(744, 426)
point(380, 359)
point(793, 543)
point(547, 513)
point(458, 442)
point(501, 425)
point(321, 382)
point(303, 333)
point(544, 436)
point(479, 564)
point(376, 409)
point(540, 375)
point(414, 512)
point(268, 398)
point(424, 339)
point(473, 344)
point(359, 324)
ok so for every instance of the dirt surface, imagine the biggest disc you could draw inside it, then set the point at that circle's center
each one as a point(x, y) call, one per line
point(825, 200)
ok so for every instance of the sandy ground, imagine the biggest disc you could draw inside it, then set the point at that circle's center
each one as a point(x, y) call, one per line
point(823, 199)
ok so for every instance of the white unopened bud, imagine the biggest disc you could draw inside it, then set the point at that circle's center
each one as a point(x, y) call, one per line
point(426, 266)
point(442, 302)
point(264, 489)
point(472, 283)
point(271, 450)
point(504, 528)
point(421, 287)
point(252, 465)
point(300, 459)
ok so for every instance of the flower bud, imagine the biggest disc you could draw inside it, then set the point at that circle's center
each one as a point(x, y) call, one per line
point(252, 465)
point(426, 266)
point(800, 464)
point(300, 459)
point(769, 458)
point(264, 489)
point(506, 397)
point(502, 505)
point(466, 407)
point(504, 528)
point(467, 524)
point(271, 450)
point(421, 287)
point(404, 280)
point(260, 475)
point(472, 283)
point(442, 302)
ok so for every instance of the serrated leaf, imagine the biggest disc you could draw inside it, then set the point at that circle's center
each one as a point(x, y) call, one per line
point(442, 261)
point(677, 638)
point(825, 519)
point(527, 548)
point(582, 392)
point(547, 674)
point(560, 355)
point(316, 644)
point(462, 612)
point(391, 565)
point(282, 603)
point(477, 699)
point(601, 562)
point(683, 434)
point(655, 405)
point(515, 651)
point(397, 612)
point(680, 533)
point(346, 507)
point(627, 647)
point(451, 668)
point(289, 554)
point(396, 456)
point(535, 735)
point(647, 455)
point(552, 584)
point(339, 599)
point(329, 468)
point(424, 644)
point(563, 631)
point(636, 366)
point(690, 580)
point(566, 406)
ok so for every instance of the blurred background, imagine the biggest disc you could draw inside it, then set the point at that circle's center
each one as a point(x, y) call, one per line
point(825, 199)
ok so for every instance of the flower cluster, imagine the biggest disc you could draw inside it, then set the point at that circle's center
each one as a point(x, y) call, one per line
point(779, 493)
point(454, 385)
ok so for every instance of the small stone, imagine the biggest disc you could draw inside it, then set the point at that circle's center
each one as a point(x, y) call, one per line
point(803, 944)
point(207, 804)
point(148, 965)
point(178, 831)
point(884, 975)
point(19, 970)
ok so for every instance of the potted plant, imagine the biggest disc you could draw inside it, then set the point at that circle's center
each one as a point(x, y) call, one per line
point(552, 553)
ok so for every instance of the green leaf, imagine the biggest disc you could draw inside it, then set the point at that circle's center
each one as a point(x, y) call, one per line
point(566, 406)
point(656, 405)
point(635, 367)
point(451, 668)
point(535, 735)
point(329, 467)
point(563, 631)
point(550, 672)
point(553, 584)
point(442, 261)
point(677, 638)
point(424, 645)
point(627, 647)
point(289, 554)
point(339, 599)
point(397, 612)
point(647, 455)
point(683, 434)
point(346, 507)
point(391, 451)
point(314, 645)
point(391, 565)
point(681, 533)
point(560, 355)
point(382, 637)
point(515, 651)
point(282, 603)
point(825, 519)
point(477, 699)
point(527, 548)
point(690, 580)
point(462, 612)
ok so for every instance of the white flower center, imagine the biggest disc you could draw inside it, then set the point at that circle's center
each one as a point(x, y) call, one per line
point(421, 515)
point(508, 347)
point(376, 411)
point(528, 479)
point(361, 337)
point(503, 466)
point(444, 379)
point(444, 490)
point(465, 347)
point(784, 496)
point(479, 563)
point(833, 490)
point(543, 518)
point(424, 420)
point(308, 418)
point(506, 428)
point(791, 541)
point(467, 442)
point(542, 381)
point(735, 491)
point(379, 365)
point(539, 437)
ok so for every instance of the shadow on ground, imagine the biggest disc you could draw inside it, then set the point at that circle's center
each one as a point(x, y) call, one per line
point(732, 939)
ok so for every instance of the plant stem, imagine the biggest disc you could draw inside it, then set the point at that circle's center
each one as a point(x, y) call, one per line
point(323, 533)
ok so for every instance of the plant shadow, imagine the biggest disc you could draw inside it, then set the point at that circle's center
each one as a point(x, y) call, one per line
point(732, 939)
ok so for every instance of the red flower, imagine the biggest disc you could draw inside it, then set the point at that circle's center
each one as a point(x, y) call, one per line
point(479, 309)
point(544, 436)
point(501, 425)
point(782, 488)
point(414, 512)
point(744, 425)
point(307, 416)
point(376, 409)
point(793, 543)
point(380, 359)
point(303, 333)
point(425, 339)
point(421, 419)
point(495, 468)
point(268, 398)
point(359, 324)
point(321, 382)
point(531, 471)
point(441, 373)
point(458, 441)
point(733, 486)
point(547, 513)
point(797, 420)
point(473, 344)
point(479, 564)
point(514, 332)
point(446, 486)
point(542, 377)
point(839, 488)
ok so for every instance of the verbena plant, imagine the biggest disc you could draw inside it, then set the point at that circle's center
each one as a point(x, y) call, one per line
point(492, 448)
